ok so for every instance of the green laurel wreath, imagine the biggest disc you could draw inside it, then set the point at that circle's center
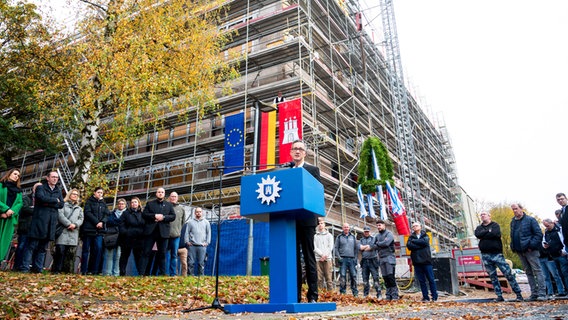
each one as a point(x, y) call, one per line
point(366, 177)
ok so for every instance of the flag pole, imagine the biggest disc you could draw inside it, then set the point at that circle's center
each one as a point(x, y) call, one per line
point(250, 245)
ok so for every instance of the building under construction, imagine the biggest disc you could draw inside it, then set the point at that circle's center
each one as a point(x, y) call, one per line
point(351, 88)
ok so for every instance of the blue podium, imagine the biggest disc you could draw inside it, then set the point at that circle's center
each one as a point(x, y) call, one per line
point(281, 197)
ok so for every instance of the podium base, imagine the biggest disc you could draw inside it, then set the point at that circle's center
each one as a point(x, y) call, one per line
point(279, 307)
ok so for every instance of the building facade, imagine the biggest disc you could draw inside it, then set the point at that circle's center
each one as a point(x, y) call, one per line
point(315, 50)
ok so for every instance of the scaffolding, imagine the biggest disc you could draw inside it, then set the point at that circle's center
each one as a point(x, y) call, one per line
point(315, 50)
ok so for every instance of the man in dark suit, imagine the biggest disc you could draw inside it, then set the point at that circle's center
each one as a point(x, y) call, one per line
point(305, 230)
point(157, 214)
point(563, 217)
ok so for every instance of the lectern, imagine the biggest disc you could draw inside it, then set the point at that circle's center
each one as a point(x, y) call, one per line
point(280, 197)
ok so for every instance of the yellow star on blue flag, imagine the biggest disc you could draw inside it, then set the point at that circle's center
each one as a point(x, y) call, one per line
point(234, 142)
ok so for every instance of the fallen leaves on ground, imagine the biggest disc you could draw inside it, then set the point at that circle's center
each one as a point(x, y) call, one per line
point(46, 296)
point(31, 296)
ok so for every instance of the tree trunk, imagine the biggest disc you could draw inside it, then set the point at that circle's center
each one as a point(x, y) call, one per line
point(88, 147)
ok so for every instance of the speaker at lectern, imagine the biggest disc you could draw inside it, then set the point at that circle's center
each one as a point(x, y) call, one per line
point(280, 197)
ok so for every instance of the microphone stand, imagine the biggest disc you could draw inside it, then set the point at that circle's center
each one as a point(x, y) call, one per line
point(215, 304)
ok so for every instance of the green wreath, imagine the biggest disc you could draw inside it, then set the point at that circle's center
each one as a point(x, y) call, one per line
point(366, 177)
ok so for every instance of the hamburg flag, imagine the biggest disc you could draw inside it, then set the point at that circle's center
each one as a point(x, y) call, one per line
point(234, 142)
point(289, 126)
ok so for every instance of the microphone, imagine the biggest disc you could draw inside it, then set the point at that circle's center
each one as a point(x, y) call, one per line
point(290, 164)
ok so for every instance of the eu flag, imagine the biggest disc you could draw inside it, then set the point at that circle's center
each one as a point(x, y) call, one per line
point(234, 142)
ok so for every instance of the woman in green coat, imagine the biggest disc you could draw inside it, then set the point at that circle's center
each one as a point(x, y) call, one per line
point(10, 205)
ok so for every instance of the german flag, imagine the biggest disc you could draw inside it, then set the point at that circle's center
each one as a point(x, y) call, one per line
point(267, 142)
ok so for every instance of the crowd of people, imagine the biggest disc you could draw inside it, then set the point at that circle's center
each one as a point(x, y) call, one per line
point(542, 253)
point(377, 254)
point(154, 236)
point(163, 239)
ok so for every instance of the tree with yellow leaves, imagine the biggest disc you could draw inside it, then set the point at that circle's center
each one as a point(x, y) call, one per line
point(130, 63)
point(28, 58)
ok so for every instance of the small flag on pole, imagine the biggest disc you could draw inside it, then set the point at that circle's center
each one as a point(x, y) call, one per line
point(397, 207)
point(361, 202)
point(383, 211)
point(371, 203)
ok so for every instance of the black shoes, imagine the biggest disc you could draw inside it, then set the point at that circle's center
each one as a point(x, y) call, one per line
point(532, 298)
point(499, 299)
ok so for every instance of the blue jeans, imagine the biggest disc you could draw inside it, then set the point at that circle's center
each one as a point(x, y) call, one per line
point(562, 262)
point(196, 254)
point(22, 244)
point(370, 267)
point(112, 262)
point(348, 263)
point(492, 261)
point(91, 254)
point(172, 256)
point(423, 272)
point(549, 269)
point(35, 255)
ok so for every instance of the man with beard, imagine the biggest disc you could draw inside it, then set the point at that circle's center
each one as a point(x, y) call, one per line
point(197, 238)
point(384, 244)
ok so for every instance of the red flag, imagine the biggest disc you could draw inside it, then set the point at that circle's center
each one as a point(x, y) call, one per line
point(289, 127)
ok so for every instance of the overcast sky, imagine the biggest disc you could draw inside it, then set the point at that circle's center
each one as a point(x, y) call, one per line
point(497, 72)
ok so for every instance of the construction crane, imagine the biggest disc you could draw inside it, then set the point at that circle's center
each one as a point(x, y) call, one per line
point(407, 157)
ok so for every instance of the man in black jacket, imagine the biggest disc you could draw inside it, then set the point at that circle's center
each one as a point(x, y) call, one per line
point(526, 239)
point(491, 247)
point(419, 245)
point(157, 214)
point(306, 230)
point(554, 246)
point(563, 216)
point(48, 201)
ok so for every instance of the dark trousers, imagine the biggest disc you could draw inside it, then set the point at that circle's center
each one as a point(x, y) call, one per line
point(348, 264)
point(64, 259)
point(370, 267)
point(20, 250)
point(562, 263)
point(92, 254)
point(160, 259)
point(423, 272)
point(35, 255)
point(305, 242)
point(125, 251)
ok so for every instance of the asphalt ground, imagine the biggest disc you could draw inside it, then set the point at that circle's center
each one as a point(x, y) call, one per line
point(470, 304)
